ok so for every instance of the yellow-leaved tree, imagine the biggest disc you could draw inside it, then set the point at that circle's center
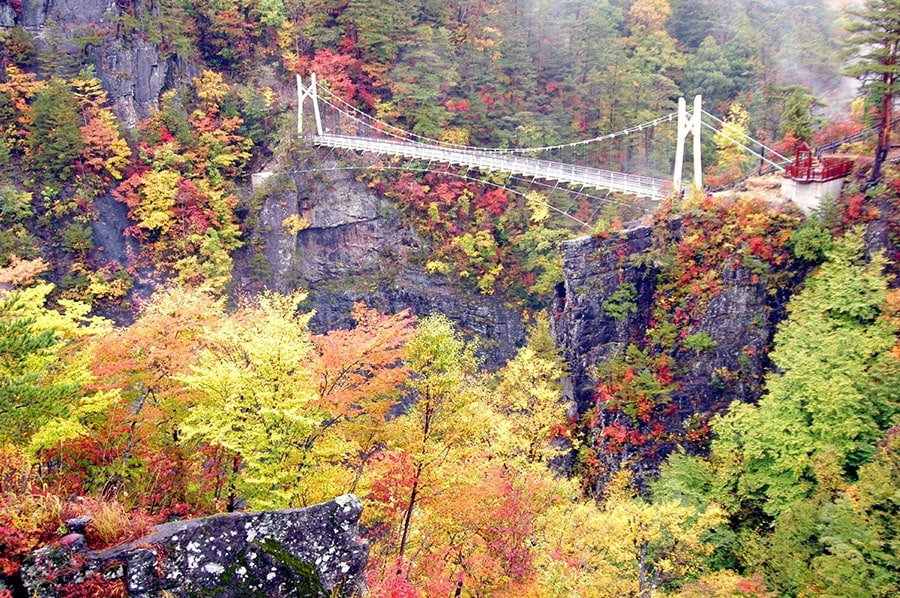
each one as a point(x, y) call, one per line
point(624, 547)
point(299, 414)
point(529, 395)
point(44, 366)
point(731, 158)
point(255, 397)
point(157, 200)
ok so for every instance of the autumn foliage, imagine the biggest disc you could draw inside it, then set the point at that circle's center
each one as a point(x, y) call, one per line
point(200, 399)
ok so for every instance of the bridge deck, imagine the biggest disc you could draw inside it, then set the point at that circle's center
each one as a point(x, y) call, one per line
point(494, 161)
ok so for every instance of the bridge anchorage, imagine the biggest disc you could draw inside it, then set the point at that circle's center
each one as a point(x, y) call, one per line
point(338, 125)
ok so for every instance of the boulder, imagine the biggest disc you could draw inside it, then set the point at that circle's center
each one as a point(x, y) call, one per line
point(310, 552)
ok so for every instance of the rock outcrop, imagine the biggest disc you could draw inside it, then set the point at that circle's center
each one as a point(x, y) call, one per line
point(308, 552)
point(355, 247)
point(134, 70)
point(740, 319)
point(585, 334)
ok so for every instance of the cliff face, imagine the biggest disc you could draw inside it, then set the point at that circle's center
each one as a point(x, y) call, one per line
point(133, 69)
point(134, 74)
point(355, 247)
point(665, 325)
point(740, 318)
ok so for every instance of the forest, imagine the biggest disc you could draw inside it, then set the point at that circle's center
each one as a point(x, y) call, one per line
point(160, 376)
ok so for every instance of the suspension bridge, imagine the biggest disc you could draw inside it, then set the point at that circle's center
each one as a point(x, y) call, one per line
point(336, 124)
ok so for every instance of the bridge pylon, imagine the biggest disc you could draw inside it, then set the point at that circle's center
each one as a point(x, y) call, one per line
point(303, 92)
point(688, 126)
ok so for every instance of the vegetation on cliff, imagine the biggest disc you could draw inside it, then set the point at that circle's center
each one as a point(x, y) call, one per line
point(201, 402)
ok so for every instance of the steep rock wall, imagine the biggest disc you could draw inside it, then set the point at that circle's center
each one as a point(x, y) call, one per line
point(133, 70)
point(740, 319)
point(356, 248)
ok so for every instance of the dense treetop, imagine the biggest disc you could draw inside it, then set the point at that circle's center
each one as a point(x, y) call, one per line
point(475, 483)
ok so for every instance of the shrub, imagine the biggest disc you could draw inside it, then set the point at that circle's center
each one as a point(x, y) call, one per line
point(77, 238)
point(622, 302)
point(810, 242)
point(111, 523)
point(15, 206)
point(700, 342)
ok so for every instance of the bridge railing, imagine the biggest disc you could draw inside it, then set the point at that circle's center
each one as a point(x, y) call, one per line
point(826, 170)
point(534, 167)
point(827, 148)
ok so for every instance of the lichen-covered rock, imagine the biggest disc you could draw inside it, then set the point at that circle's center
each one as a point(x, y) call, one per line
point(308, 552)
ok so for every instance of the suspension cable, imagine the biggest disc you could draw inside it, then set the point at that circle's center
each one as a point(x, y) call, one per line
point(385, 128)
point(530, 181)
point(466, 178)
point(744, 147)
point(742, 134)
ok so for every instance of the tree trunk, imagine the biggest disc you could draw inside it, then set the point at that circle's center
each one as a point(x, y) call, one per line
point(420, 465)
point(889, 79)
point(884, 136)
point(407, 517)
point(644, 587)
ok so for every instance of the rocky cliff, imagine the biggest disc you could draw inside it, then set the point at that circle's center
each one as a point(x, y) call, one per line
point(740, 318)
point(133, 69)
point(301, 552)
point(355, 247)
point(663, 324)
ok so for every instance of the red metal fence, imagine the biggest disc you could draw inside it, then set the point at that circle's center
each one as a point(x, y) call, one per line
point(826, 170)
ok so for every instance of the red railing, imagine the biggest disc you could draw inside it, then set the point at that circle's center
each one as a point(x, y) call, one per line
point(826, 170)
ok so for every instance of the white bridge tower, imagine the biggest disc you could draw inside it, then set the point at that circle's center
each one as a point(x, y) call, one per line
point(304, 92)
point(686, 126)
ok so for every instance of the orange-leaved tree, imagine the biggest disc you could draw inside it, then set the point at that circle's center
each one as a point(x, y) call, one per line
point(130, 447)
point(359, 374)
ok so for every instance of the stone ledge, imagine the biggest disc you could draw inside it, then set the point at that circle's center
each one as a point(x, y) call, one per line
point(308, 552)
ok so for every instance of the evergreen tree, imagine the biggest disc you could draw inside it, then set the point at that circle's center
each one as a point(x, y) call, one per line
point(748, 50)
point(424, 79)
point(836, 392)
point(693, 21)
point(875, 38)
point(861, 531)
point(708, 72)
point(376, 30)
point(43, 360)
point(594, 45)
point(798, 115)
point(21, 390)
point(54, 140)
